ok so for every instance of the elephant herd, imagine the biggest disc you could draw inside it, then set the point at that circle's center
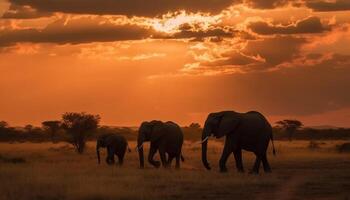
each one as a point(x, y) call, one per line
point(249, 131)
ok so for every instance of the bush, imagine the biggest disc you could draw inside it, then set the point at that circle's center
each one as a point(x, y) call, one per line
point(344, 147)
point(314, 145)
point(14, 160)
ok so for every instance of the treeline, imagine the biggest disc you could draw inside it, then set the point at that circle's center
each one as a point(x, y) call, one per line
point(192, 132)
point(313, 134)
point(39, 134)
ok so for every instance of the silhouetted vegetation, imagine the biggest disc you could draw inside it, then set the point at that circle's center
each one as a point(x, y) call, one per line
point(313, 134)
point(191, 132)
point(14, 160)
point(79, 126)
point(290, 126)
point(3, 124)
point(52, 127)
point(344, 147)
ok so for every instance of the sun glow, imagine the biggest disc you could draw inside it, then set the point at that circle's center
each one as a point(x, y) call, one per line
point(171, 22)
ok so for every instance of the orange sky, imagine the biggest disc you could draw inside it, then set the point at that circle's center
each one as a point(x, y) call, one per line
point(137, 60)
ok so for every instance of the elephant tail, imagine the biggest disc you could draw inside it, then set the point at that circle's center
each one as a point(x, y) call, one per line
point(182, 158)
point(273, 146)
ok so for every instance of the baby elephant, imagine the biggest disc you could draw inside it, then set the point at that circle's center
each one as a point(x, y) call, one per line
point(115, 145)
point(165, 137)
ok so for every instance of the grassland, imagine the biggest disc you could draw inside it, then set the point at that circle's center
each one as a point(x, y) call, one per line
point(56, 172)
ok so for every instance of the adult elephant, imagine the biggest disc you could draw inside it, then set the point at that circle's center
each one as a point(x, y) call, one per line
point(249, 131)
point(115, 145)
point(167, 137)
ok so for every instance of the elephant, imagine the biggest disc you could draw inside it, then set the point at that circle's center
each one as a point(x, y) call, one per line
point(249, 131)
point(115, 145)
point(167, 137)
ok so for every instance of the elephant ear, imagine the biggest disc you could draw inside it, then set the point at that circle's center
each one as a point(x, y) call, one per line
point(157, 130)
point(102, 140)
point(228, 123)
point(109, 140)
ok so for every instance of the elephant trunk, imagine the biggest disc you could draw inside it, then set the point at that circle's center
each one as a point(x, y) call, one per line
point(140, 150)
point(98, 153)
point(204, 149)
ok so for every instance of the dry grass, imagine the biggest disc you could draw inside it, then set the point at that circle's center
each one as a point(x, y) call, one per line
point(55, 171)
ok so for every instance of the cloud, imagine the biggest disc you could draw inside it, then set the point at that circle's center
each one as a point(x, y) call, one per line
point(233, 59)
point(198, 34)
point(266, 4)
point(326, 6)
point(100, 29)
point(256, 55)
point(146, 8)
point(74, 32)
point(23, 12)
point(308, 25)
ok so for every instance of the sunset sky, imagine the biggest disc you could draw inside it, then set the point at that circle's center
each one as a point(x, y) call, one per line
point(178, 60)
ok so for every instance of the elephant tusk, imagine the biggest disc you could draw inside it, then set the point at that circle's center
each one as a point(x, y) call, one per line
point(139, 147)
point(205, 139)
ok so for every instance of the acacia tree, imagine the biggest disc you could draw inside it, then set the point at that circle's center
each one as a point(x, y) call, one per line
point(3, 124)
point(78, 127)
point(29, 128)
point(290, 126)
point(194, 126)
point(52, 127)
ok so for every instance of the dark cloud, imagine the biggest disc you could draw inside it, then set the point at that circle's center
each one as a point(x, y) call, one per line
point(74, 32)
point(23, 12)
point(234, 58)
point(267, 4)
point(26, 9)
point(197, 34)
point(308, 25)
point(274, 51)
point(325, 6)
point(148, 8)
point(258, 55)
point(89, 29)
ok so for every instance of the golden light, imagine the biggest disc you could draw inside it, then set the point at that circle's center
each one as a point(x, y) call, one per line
point(171, 22)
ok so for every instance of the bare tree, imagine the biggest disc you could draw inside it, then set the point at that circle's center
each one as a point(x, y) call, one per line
point(290, 126)
point(78, 127)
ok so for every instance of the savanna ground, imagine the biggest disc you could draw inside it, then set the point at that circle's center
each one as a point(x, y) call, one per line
point(54, 171)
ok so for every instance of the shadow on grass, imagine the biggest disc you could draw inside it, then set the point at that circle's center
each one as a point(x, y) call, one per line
point(14, 160)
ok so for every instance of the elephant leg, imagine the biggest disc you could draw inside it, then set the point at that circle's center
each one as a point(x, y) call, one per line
point(266, 165)
point(255, 169)
point(238, 158)
point(177, 166)
point(225, 154)
point(110, 156)
point(120, 158)
point(163, 157)
point(170, 160)
point(153, 151)
point(121, 155)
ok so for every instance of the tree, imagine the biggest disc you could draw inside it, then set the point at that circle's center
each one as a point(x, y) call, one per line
point(29, 128)
point(3, 124)
point(195, 126)
point(290, 126)
point(52, 127)
point(78, 127)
